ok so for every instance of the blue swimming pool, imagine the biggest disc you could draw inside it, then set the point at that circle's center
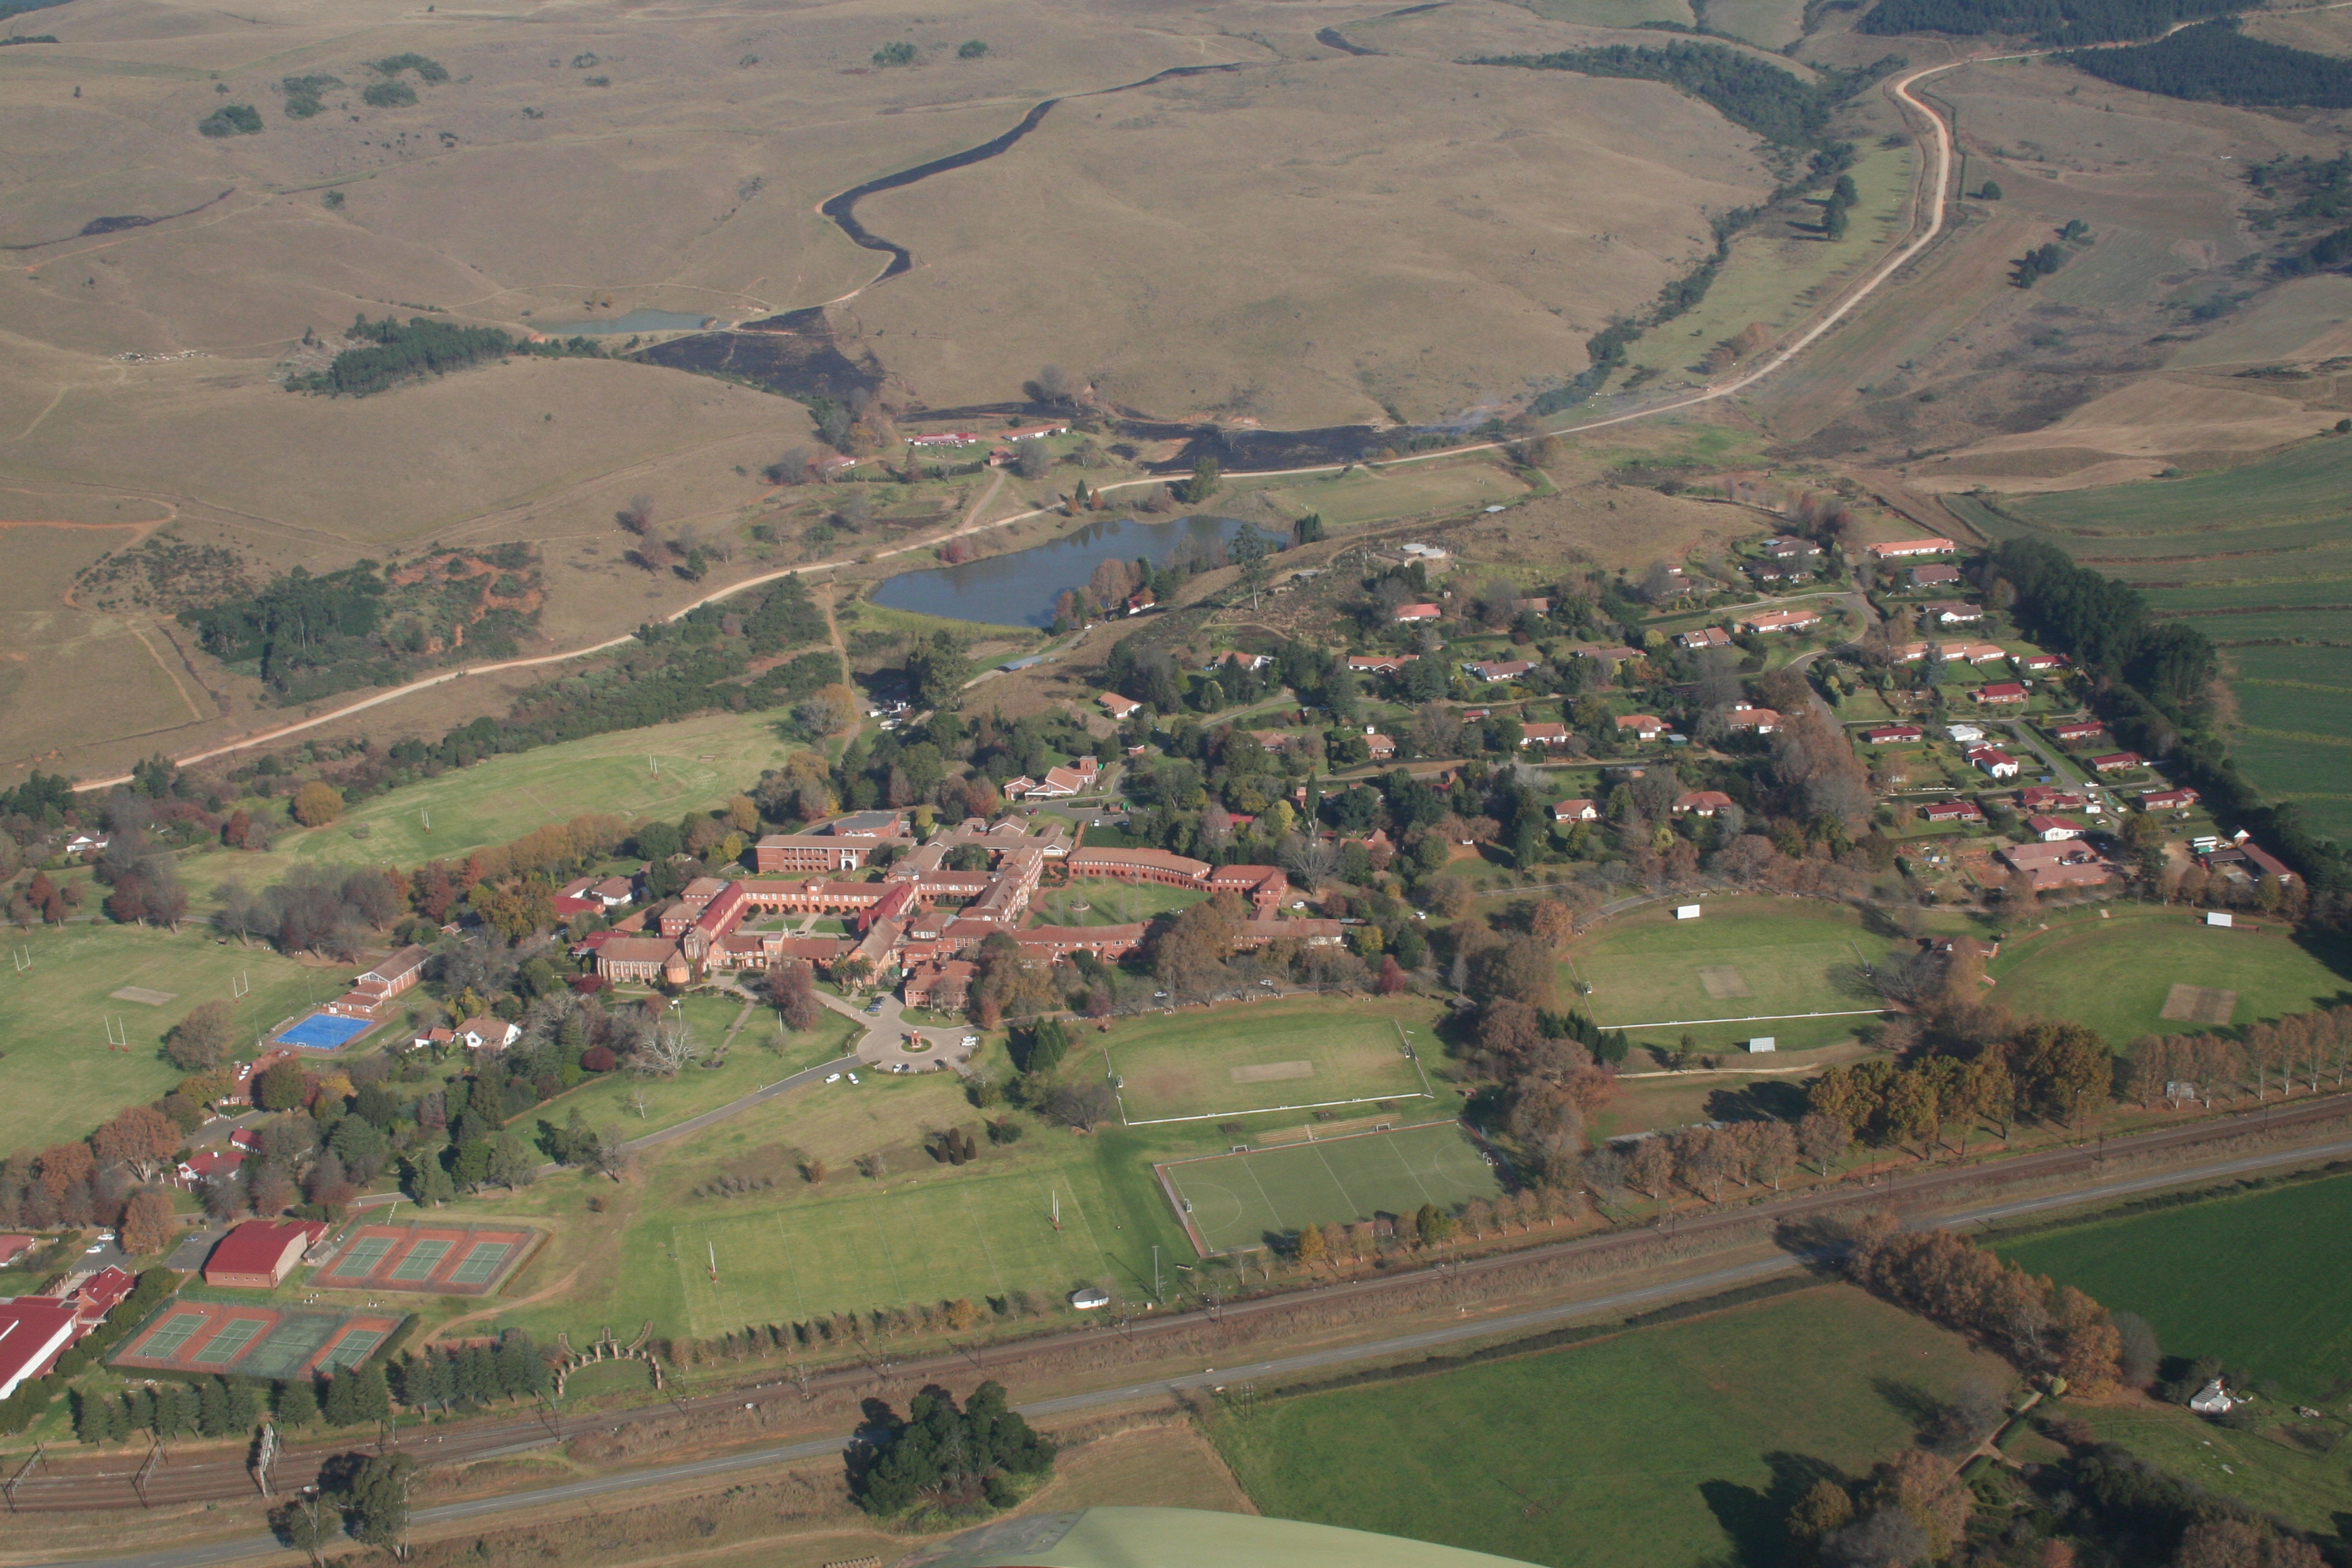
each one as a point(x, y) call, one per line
point(325, 1032)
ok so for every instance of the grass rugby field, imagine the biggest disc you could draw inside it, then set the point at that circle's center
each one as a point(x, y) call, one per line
point(1255, 1197)
point(2115, 974)
point(1672, 1443)
point(59, 1079)
point(2256, 1280)
point(1757, 959)
point(1240, 1058)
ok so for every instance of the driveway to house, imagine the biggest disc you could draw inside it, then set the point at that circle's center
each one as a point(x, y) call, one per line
point(882, 1046)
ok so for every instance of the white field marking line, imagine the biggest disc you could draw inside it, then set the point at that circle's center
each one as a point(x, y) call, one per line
point(1273, 1209)
point(1414, 1055)
point(1102, 1258)
point(889, 1256)
point(1325, 1161)
point(792, 1268)
point(978, 1235)
point(1278, 1110)
point(1413, 1175)
point(1757, 1018)
point(1900, 89)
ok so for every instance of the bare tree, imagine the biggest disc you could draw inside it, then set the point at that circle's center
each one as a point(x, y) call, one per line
point(667, 1049)
point(1309, 857)
point(637, 517)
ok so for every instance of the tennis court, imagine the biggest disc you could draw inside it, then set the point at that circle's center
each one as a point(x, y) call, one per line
point(440, 1260)
point(1255, 1196)
point(324, 1032)
point(252, 1342)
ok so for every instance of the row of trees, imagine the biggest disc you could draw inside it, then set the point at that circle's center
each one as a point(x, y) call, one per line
point(2216, 63)
point(2302, 1046)
point(2054, 1071)
point(2043, 1326)
point(391, 352)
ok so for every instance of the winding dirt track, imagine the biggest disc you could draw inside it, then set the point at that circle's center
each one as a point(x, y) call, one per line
point(1936, 190)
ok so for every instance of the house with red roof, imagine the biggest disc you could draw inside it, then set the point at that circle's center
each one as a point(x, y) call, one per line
point(1955, 810)
point(34, 1332)
point(2053, 829)
point(1898, 548)
point(1895, 735)
point(1576, 811)
point(2117, 761)
point(2078, 729)
point(1995, 692)
point(1414, 614)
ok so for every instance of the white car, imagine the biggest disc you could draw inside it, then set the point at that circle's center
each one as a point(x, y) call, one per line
point(100, 1248)
point(833, 1077)
point(852, 1078)
point(971, 1039)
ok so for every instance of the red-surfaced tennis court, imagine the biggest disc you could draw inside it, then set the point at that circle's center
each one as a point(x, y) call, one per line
point(233, 1337)
point(435, 1259)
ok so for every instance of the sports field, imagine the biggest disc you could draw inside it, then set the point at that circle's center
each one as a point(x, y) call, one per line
point(662, 770)
point(2116, 975)
point(59, 1079)
point(436, 1259)
point(898, 1243)
point(230, 1337)
point(2257, 1280)
point(1239, 1057)
point(1680, 1443)
point(1743, 959)
point(1256, 1197)
point(1109, 903)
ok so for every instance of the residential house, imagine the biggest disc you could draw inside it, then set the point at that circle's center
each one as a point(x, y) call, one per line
point(2168, 799)
point(1951, 613)
point(1544, 732)
point(1954, 810)
point(1895, 735)
point(34, 1332)
point(1936, 576)
point(206, 1166)
point(1901, 549)
point(1382, 747)
point(1142, 599)
point(1380, 663)
point(1995, 761)
point(2247, 859)
point(2078, 730)
point(2034, 663)
point(86, 846)
point(1995, 692)
point(1500, 670)
point(1974, 653)
point(2053, 829)
point(1414, 614)
point(1702, 802)
point(2071, 864)
point(1782, 621)
point(1640, 726)
point(1789, 547)
point(1119, 708)
point(2117, 761)
point(1579, 810)
point(1748, 716)
point(2043, 799)
point(1235, 659)
point(1705, 637)
point(487, 1034)
point(1964, 734)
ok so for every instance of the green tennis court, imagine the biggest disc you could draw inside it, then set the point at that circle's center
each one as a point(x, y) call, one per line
point(422, 1260)
point(482, 1260)
point(288, 1350)
point(351, 1349)
point(1260, 1195)
point(165, 1342)
point(224, 1346)
point(360, 1260)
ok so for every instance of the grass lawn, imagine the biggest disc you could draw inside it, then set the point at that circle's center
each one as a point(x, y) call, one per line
point(1374, 495)
point(758, 1058)
point(2114, 974)
point(1681, 1443)
point(2311, 1490)
point(662, 770)
point(1111, 903)
point(59, 1079)
point(919, 1233)
point(2257, 1280)
point(1245, 1056)
point(1255, 1198)
point(1744, 958)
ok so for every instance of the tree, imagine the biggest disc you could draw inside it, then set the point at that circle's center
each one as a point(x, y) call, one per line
point(942, 1455)
point(377, 1504)
point(1082, 1106)
point(146, 1222)
point(141, 1138)
point(299, 1525)
point(282, 1087)
point(1311, 1249)
point(2063, 1070)
point(1552, 922)
point(511, 1165)
point(317, 803)
point(1648, 1165)
point(200, 1041)
point(1823, 1138)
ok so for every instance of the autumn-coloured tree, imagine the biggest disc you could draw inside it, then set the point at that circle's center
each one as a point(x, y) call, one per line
point(317, 803)
point(1650, 1165)
point(140, 1138)
point(146, 1222)
point(200, 1041)
point(1822, 1138)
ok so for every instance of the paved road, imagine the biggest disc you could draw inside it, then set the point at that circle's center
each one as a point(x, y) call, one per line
point(1614, 1303)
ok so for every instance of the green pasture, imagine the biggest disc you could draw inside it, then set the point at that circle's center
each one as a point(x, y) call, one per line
point(2113, 975)
point(1110, 903)
point(2311, 773)
point(2254, 1280)
point(662, 770)
point(1365, 495)
point(1779, 280)
point(2310, 481)
point(759, 1054)
point(1679, 1443)
point(1743, 958)
point(2311, 1491)
point(1243, 1057)
point(2319, 576)
point(59, 1079)
point(1255, 1198)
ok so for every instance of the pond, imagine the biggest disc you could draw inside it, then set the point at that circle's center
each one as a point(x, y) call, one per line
point(1019, 589)
point(634, 321)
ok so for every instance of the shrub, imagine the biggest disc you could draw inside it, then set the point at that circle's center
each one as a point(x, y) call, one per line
point(388, 95)
point(317, 803)
point(231, 120)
